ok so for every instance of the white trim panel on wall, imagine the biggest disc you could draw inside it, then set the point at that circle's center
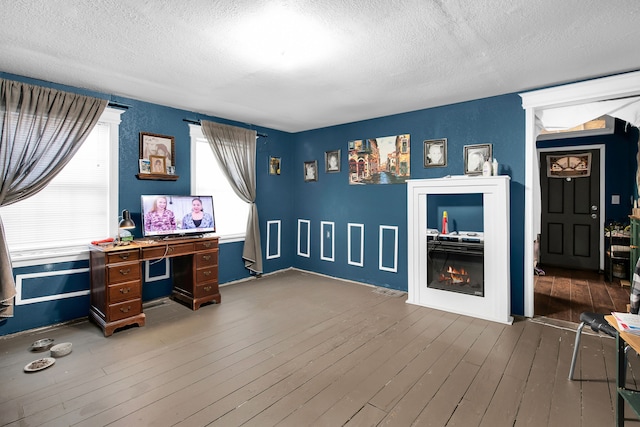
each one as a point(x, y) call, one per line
point(21, 277)
point(300, 231)
point(166, 274)
point(276, 223)
point(360, 262)
point(327, 229)
point(393, 228)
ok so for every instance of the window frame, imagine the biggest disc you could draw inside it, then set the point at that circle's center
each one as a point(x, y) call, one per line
point(25, 258)
point(195, 133)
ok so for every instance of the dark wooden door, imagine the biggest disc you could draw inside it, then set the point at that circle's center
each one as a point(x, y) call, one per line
point(570, 232)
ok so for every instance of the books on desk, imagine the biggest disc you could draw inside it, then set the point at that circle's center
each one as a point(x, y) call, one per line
point(627, 322)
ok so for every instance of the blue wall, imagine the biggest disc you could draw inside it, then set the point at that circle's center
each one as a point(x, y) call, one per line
point(287, 198)
point(497, 120)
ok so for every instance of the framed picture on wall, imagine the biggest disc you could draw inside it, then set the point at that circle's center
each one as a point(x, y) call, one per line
point(158, 164)
point(475, 156)
point(332, 161)
point(152, 144)
point(311, 171)
point(435, 153)
point(274, 165)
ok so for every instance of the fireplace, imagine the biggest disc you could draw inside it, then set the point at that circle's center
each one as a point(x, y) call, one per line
point(488, 299)
point(456, 267)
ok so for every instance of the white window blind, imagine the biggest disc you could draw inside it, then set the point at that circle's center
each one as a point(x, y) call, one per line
point(77, 205)
point(207, 178)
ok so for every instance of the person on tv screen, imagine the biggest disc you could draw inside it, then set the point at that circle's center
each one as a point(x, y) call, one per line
point(197, 218)
point(159, 218)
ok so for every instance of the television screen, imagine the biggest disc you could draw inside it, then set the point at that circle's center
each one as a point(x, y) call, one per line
point(177, 215)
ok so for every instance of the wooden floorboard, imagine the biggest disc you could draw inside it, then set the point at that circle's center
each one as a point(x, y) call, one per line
point(298, 349)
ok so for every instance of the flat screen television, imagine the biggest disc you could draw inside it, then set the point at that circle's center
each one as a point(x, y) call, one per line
point(164, 216)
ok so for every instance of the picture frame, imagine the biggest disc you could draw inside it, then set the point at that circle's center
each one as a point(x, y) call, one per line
point(310, 171)
point(144, 166)
point(435, 153)
point(153, 144)
point(332, 161)
point(274, 165)
point(475, 156)
point(158, 165)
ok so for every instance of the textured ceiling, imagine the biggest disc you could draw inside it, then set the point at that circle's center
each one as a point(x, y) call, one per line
point(298, 65)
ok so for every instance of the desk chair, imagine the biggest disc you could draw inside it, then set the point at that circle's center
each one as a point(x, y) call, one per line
point(598, 324)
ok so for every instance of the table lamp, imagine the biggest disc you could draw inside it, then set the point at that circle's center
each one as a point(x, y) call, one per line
point(126, 223)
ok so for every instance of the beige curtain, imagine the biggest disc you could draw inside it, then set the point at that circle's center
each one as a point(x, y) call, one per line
point(235, 149)
point(41, 129)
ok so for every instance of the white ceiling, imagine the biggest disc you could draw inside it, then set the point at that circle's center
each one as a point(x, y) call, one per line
point(298, 65)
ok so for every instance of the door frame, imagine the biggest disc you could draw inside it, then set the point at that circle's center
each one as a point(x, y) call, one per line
point(606, 88)
point(602, 210)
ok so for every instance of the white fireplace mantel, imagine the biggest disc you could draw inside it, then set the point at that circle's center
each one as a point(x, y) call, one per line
point(495, 305)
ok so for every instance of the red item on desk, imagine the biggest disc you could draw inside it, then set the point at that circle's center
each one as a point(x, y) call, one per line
point(107, 240)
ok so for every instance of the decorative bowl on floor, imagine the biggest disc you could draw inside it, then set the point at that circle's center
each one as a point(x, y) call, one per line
point(39, 364)
point(61, 349)
point(42, 345)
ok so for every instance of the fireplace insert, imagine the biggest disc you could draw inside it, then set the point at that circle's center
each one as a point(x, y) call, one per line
point(456, 266)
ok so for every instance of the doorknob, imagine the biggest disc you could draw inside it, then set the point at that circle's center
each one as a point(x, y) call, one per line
point(594, 216)
point(594, 207)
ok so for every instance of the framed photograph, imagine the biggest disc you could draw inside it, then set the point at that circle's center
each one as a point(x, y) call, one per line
point(158, 164)
point(435, 153)
point(475, 156)
point(332, 161)
point(311, 171)
point(152, 144)
point(144, 166)
point(274, 165)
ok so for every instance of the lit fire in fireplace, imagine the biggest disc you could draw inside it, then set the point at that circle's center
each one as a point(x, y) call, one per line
point(453, 276)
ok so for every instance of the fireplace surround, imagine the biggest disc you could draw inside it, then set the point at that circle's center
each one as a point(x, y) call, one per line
point(495, 303)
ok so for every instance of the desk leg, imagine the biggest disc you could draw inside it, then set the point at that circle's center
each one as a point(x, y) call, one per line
point(620, 379)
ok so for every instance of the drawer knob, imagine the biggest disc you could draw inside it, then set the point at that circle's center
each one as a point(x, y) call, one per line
point(170, 249)
point(125, 290)
point(124, 256)
point(207, 288)
point(207, 273)
point(206, 257)
point(206, 244)
point(125, 309)
point(125, 272)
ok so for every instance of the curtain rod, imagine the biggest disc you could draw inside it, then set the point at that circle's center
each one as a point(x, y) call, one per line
point(118, 105)
point(197, 122)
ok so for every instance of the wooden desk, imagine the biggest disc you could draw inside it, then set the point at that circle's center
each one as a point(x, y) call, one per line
point(116, 278)
point(632, 397)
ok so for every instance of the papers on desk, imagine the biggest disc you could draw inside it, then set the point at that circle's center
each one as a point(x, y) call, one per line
point(628, 322)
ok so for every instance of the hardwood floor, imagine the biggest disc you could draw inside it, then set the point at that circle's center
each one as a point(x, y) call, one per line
point(563, 294)
point(298, 349)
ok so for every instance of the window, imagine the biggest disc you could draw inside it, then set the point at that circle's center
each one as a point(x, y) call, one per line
point(231, 211)
point(79, 205)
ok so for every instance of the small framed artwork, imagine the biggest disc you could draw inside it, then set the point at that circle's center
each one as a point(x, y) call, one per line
point(158, 164)
point(475, 156)
point(332, 161)
point(144, 166)
point(274, 165)
point(311, 171)
point(435, 153)
point(152, 144)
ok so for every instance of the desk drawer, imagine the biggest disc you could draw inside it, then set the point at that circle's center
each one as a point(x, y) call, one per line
point(123, 273)
point(167, 251)
point(207, 274)
point(123, 256)
point(124, 291)
point(206, 290)
point(125, 309)
point(206, 259)
point(206, 244)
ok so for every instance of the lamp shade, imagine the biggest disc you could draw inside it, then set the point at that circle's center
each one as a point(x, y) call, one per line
point(126, 222)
